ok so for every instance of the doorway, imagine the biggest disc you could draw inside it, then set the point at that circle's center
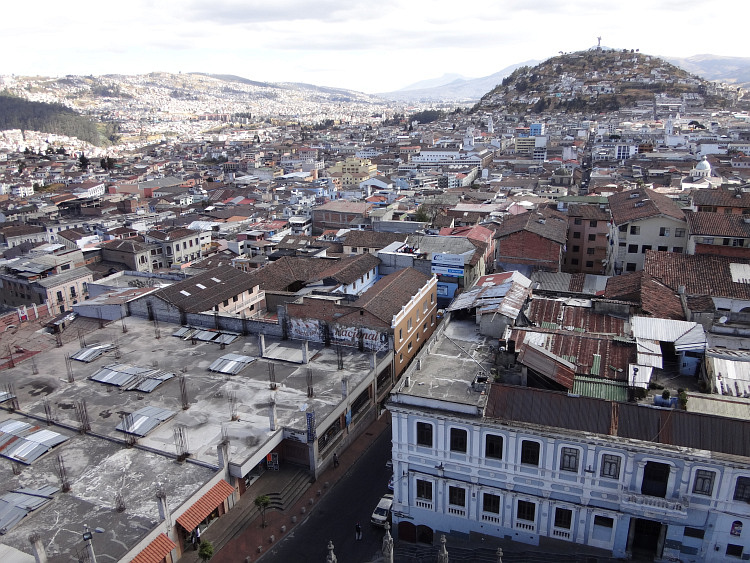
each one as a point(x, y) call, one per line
point(646, 538)
point(655, 479)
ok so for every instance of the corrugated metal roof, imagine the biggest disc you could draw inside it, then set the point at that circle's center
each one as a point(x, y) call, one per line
point(511, 404)
point(5, 396)
point(231, 363)
point(649, 352)
point(640, 375)
point(684, 334)
point(131, 377)
point(144, 420)
point(205, 335)
point(600, 388)
point(90, 353)
point(226, 338)
point(25, 443)
point(14, 506)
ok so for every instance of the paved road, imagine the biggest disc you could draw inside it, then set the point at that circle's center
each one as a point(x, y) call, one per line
point(352, 500)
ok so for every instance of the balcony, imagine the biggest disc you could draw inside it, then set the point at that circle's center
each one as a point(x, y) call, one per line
point(527, 526)
point(425, 504)
point(490, 518)
point(671, 507)
point(456, 511)
point(561, 534)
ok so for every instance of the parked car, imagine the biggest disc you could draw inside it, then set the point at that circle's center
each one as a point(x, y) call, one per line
point(382, 512)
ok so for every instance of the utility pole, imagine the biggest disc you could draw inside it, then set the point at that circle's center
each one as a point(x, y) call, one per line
point(89, 545)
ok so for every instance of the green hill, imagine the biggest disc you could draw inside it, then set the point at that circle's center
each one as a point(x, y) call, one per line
point(597, 80)
point(17, 113)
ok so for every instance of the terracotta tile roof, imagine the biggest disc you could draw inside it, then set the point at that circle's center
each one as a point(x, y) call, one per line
point(372, 239)
point(633, 205)
point(545, 223)
point(205, 505)
point(722, 197)
point(156, 551)
point(207, 289)
point(704, 223)
point(390, 293)
point(349, 269)
point(625, 287)
point(701, 274)
point(588, 211)
point(660, 301)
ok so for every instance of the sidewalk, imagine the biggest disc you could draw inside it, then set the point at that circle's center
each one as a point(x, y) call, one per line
point(244, 547)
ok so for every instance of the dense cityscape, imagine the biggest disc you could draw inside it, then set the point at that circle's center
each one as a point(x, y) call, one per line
point(540, 295)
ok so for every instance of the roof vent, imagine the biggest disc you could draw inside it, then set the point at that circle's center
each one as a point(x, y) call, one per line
point(634, 195)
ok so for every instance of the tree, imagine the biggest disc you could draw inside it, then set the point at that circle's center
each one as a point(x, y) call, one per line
point(83, 161)
point(262, 502)
point(206, 550)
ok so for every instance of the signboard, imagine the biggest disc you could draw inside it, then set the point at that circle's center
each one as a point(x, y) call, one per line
point(305, 329)
point(448, 260)
point(311, 427)
point(350, 336)
point(450, 272)
point(446, 290)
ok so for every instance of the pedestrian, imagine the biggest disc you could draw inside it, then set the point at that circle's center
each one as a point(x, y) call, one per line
point(335, 460)
point(357, 532)
point(194, 540)
point(198, 535)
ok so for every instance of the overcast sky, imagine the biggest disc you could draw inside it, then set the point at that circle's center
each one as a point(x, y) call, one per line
point(366, 45)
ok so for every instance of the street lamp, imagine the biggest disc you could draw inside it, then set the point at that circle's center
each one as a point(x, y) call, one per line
point(87, 535)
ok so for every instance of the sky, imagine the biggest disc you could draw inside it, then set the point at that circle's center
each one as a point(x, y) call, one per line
point(366, 45)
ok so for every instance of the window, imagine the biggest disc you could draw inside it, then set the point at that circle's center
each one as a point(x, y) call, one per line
point(424, 434)
point(663, 231)
point(632, 248)
point(493, 446)
point(742, 489)
point(408, 325)
point(530, 452)
point(734, 550)
point(708, 240)
point(576, 248)
point(590, 250)
point(574, 261)
point(576, 234)
point(424, 489)
point(592, 223)
point(226, 302)
point(491, 503)
point(704, 482)
point(577, 221)
point(569, 459)
point(409, 347)
point(563, 518)
point(458, 440)
point(662, 248)
point(694, 533)
point(610, 466)
point(401, 334)
point(592, 237)
point(725, 242)
point(59, 296)
point(623, 228)
point(456, 496)
point(526, 511)
point(677, 250)
point(635, 230)
point(645, 247)
point(630, 267)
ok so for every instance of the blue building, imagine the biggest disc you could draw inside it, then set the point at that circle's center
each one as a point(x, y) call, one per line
point(542, 467)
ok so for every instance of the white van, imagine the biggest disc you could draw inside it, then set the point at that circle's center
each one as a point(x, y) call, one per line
point(382, 512)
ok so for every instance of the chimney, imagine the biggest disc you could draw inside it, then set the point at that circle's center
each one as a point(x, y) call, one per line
point(305, 352)
point(272, 414)
point(40, 555)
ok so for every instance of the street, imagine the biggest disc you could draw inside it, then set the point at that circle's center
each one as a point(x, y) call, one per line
point(352, 500)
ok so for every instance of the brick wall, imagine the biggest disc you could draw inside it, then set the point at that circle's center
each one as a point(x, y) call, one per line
point(530, 249)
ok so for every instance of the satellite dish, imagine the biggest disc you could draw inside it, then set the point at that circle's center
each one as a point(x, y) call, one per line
point(723, 320)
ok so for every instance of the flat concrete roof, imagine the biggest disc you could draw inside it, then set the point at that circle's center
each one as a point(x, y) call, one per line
point(445, 371)
point(99, 465)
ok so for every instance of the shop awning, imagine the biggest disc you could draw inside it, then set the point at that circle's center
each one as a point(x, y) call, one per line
point(156, 551)
point(205, 505)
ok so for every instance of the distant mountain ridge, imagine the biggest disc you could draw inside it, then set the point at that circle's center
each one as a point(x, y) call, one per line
point(732, 70)
point(457, 89)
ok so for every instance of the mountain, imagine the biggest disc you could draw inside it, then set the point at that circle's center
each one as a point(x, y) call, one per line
point(433, 82)
point(600, 80)
point(459, 89)
point(732, 70)
point(17, 113)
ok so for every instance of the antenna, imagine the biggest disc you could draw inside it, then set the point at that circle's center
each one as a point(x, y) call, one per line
point(599, 42)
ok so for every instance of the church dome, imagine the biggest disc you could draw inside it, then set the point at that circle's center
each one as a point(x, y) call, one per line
point(703, 165)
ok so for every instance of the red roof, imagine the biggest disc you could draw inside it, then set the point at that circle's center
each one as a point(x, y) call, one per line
point(156, 551)
point(205, 505)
